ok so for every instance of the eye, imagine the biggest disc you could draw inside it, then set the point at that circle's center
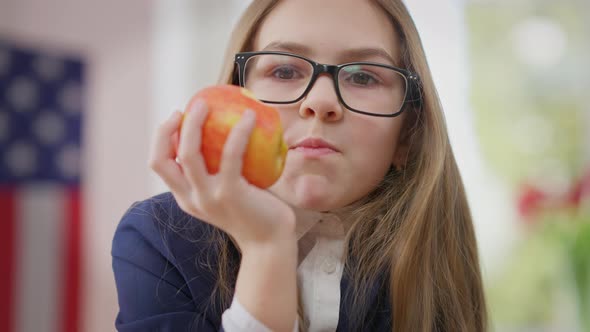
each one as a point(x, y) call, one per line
point(284, 73)
point(361, 75)
point(362, 78)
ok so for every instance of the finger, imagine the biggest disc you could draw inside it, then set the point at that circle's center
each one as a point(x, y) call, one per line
point(235, 147)
point(189, 148)
point(175, 141)
point(162, 157)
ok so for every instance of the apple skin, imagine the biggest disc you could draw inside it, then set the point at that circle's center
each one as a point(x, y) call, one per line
point(265, 154)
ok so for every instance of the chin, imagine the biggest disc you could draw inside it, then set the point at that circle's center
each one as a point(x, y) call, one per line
point(311, 202)
point(310, 192)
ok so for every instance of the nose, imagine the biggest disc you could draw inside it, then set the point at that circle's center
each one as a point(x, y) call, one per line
point(322, 100)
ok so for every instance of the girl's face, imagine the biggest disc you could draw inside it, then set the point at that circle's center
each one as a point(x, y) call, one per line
point(332, 32)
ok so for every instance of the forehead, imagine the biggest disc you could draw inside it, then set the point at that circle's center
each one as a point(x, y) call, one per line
point(328, 27)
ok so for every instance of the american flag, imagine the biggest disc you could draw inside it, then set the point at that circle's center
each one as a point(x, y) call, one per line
point(41, 102)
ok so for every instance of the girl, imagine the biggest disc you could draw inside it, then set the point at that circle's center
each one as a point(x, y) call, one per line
point(368, 227)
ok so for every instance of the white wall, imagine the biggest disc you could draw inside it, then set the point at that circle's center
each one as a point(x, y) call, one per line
point(190, 40)
point(115, 37)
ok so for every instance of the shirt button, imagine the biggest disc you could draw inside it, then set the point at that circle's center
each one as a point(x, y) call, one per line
point(329, 265)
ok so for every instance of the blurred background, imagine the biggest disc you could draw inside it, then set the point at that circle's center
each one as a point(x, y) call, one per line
point(84, 84)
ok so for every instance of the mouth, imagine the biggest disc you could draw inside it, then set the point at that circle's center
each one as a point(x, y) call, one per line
point(314, 147)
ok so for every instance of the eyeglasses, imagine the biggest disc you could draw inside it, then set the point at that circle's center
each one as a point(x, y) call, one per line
point(363, 87)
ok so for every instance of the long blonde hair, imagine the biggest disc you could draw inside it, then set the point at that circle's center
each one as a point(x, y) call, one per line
point(416, 225)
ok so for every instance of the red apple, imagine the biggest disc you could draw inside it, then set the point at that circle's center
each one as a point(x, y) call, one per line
point(266, 152)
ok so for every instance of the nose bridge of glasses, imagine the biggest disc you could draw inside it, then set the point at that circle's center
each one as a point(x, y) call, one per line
point(324, 69)
point(321, 68)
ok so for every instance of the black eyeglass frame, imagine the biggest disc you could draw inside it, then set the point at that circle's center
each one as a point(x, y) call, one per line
point(412, 93)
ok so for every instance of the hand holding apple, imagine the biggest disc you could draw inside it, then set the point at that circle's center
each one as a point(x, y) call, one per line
point(216, 157)
point(218, 136)
point(265, 154)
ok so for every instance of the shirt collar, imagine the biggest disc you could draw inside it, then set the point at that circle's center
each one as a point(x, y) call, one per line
point(307, 219)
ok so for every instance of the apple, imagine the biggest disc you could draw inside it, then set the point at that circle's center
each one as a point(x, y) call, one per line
point(265, 154)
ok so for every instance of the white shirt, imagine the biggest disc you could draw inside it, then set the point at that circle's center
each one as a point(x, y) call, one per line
point(320, 238)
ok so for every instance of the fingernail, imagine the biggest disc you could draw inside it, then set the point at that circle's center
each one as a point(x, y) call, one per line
point(174, 115)
point(249, 114)
point(199, 104)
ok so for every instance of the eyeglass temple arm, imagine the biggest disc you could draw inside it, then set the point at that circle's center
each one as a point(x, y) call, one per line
point(235, 75)
point(414, 91)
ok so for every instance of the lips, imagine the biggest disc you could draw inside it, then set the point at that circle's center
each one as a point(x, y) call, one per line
point(314, 143)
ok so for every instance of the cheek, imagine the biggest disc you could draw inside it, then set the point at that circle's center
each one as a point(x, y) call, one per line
point(372, 156)
point(373, 141)
point(288, 114)
point(293, 126)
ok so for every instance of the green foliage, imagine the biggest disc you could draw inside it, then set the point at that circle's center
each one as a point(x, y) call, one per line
point(554, 257)
point(532, 122)
point(526, 113)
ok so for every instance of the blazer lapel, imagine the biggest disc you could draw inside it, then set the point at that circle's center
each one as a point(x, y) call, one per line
point(378, 309)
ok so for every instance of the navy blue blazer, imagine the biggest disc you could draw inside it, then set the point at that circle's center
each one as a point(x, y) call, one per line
point(163, 285)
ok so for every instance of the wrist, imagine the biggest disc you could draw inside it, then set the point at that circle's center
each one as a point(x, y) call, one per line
point(278, 247)
point(267, 283)
point(280, 238)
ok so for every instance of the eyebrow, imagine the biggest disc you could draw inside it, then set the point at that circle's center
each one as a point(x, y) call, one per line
point(352, 53)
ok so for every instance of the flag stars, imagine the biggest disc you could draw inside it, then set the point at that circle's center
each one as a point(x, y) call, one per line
point(4, 127)
point(48, 68)
point(49, 128)
point(23, 94)
point(5, 61)
point(21, 158)
point(41, 103)
point(70, 98)
point(68, 161)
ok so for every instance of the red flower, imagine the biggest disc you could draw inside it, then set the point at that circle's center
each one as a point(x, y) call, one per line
point(531, 200)
point(579, 190)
